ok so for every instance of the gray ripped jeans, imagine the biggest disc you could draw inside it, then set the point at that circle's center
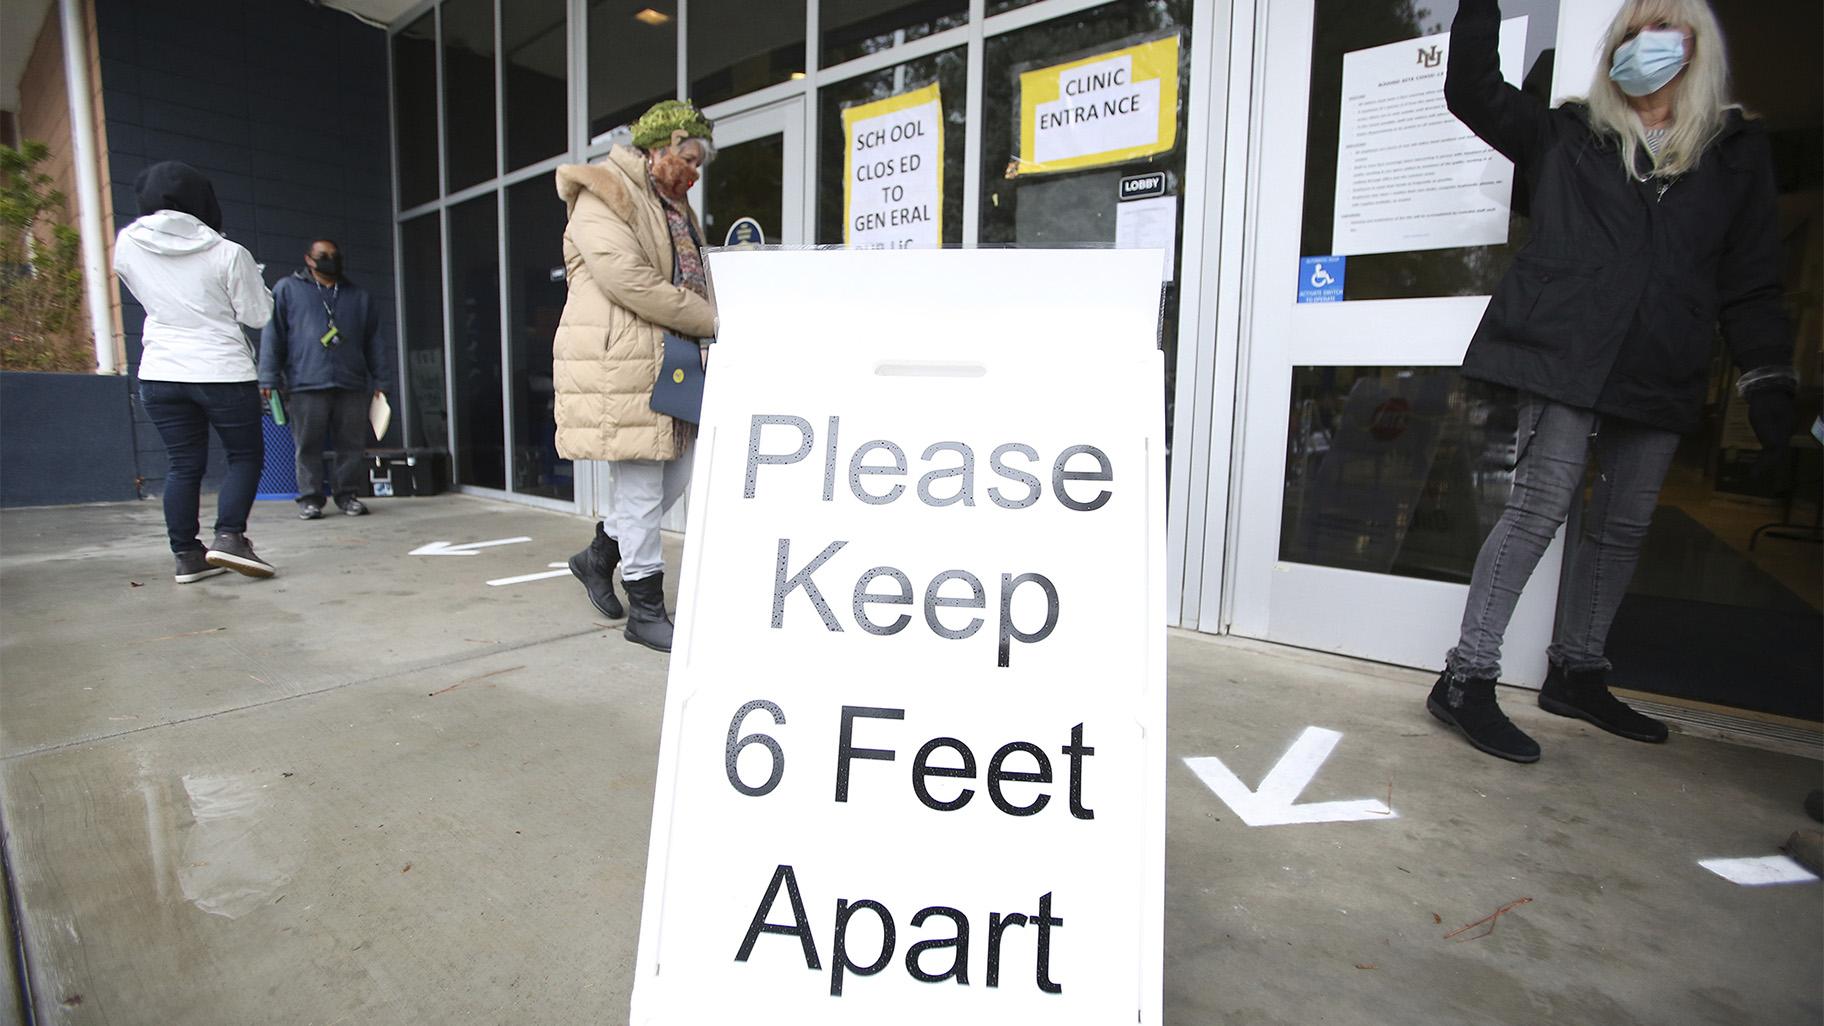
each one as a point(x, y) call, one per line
point(1554, 443)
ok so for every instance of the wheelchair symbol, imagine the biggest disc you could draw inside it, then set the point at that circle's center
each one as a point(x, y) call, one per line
point(1321, 278)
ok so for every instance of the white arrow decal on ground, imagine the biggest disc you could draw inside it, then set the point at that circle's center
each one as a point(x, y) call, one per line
point(444, 548)
point(523, 578)
point(1272, 803)
point(1760, 872)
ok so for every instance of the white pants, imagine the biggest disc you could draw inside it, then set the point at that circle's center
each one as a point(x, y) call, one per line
point(643, 491)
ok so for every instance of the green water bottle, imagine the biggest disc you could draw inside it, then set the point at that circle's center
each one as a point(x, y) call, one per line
point(278, 408)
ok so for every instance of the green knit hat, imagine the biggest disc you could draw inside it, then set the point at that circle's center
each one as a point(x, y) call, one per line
point(657, 126)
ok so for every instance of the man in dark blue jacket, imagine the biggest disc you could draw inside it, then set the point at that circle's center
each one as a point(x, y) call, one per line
point(325, 352)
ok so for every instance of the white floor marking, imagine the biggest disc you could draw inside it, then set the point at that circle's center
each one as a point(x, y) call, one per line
point(1759, 872)
point(1272, 804)
point(444, 548)
point(523, 578)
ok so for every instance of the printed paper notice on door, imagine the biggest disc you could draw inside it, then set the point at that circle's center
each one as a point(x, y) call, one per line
point(893, 181)
point(1149, 224)
point(1409, 175)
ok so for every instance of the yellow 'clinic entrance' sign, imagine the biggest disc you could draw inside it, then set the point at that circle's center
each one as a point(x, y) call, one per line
point(1105, 109)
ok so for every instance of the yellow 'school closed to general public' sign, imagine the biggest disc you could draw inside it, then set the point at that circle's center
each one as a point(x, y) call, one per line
point(1104, 109)
point(893, 172)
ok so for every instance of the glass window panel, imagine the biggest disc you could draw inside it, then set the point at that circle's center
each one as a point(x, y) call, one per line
point(480, 457)
point(468, 91)
point(746, 180)
point(415, 115)
point(856, 28)
point(1003, 6)
point(949, 70)
point(738, 46)
point(534, 44)
point(1343, 26)
point(633, 60)
point(1078, 207)
point(1395, 470)
point(536, 293)
point(421, 268)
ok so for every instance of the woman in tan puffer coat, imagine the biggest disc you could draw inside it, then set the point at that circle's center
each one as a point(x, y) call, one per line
point(633, 256)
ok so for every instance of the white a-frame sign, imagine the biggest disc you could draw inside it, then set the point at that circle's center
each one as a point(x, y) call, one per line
point(913, 767)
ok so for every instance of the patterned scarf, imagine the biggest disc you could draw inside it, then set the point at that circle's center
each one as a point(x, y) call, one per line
point(688, 267)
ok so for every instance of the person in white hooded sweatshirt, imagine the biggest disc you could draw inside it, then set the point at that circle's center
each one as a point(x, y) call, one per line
point(197, 371)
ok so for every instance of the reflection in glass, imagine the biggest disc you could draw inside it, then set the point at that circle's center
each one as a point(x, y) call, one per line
point(421, 268)
point(633, 59)
point(536, 293)
point(745, 180)
point(1394, 470)
point(1003, 6)
point(534, 45)
point(949, 69)
point(475, 342)
point(1344, 26)
point(415, 113)
point(752, 46)
point(468, 91)
point(856, 28)
point(1078, 208)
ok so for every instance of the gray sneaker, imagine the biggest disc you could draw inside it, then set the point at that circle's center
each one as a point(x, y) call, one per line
point(234, 552)
point(352, 507)
point(192, 566)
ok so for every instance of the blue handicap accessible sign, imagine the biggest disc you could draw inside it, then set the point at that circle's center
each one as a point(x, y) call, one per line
point(1320, 279)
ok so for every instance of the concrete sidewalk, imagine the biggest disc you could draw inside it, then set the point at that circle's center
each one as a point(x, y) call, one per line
point(377, 790)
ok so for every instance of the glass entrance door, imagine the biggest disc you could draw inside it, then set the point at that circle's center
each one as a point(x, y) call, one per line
point(1372, 470)
point(758, 173)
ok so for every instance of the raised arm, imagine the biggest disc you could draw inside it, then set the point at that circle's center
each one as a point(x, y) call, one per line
point(1514, 122)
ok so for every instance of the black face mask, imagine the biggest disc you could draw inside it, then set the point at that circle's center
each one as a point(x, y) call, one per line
point(329, 264)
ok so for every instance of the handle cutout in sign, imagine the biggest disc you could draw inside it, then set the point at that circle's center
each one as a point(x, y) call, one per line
point(929, 369)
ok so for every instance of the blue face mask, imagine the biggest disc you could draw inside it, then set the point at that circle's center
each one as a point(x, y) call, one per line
point(1647, 62)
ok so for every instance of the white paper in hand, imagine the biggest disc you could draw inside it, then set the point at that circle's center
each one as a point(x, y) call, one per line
point(379, 414)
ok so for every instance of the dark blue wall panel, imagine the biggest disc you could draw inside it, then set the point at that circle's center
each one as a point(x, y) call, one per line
point(65, 438)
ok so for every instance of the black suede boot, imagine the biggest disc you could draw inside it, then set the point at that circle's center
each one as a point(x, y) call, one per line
point(647, 622)
point(594, 566)
point(1584, 695)
point(1469, 706)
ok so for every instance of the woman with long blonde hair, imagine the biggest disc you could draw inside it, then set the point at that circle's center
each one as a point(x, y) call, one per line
point(1653, 222)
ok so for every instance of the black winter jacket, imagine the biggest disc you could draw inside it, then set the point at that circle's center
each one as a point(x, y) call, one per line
point(1613, 303)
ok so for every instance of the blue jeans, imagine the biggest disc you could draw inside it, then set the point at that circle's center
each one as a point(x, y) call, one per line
point(1555, 441)
point(184, 412)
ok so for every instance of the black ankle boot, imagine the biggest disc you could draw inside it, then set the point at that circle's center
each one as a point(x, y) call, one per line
point(1584, 695)
point(1469, 706)
point(647, 622)
point(594, 566)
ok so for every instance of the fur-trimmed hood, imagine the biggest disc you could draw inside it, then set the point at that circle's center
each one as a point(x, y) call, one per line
point(615, 181)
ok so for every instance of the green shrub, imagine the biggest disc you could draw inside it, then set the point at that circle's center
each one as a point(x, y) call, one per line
point(41, 322)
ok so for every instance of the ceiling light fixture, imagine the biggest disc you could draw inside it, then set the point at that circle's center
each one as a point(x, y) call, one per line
point(648, 16)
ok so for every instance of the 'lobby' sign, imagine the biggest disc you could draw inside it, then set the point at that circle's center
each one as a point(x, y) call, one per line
point(893, 172)
point(1105, 109)
point(912, 764)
